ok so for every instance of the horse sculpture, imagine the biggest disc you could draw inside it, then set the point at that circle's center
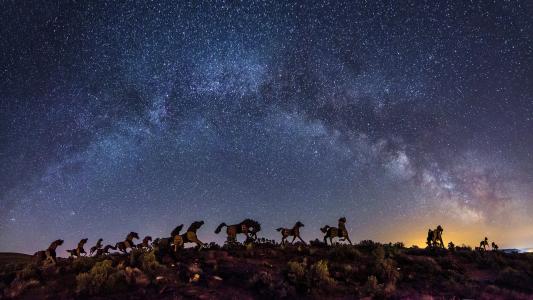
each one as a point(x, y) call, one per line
point(434, 238)
point(189, 236)
point(168, 246)
point(145, 244)
point(79, 250)
point(494, 246)
point(105, 250)
point(341, 232)
point(128, 242)
point(48, 254)
point(96, 247)
point(248, 227)
point(484, 244)
point(294, 232)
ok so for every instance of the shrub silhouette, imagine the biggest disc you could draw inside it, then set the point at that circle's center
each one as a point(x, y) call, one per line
point(343, 253)
point(101, 278)
point(320, 274)
point(30, 271)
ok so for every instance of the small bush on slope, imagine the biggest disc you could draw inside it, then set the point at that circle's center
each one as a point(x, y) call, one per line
point(101, 278)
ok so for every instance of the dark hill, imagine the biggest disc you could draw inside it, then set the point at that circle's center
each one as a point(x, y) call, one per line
point(272, 272)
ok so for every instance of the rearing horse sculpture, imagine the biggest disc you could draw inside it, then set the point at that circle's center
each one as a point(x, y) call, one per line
point(340, 232)
point(48, 254)
point(79, 249)
point(128, 242)
point(189, 236)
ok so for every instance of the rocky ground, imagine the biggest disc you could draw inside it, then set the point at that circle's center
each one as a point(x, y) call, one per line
point(366, 270)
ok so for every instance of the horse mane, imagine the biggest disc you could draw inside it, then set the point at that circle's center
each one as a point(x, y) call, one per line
point(195, 225)
point(252, 223)
point(176, 230)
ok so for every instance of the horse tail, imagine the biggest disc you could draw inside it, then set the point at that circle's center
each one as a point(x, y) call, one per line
point(325, 229)
point(220, 227)
point(280, 229)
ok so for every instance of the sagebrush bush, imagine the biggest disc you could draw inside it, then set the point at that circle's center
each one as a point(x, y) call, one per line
point(372, 287)
point(320, 274)
point(83, 264)
point(387, 271)
point(297, 269)
point(378, 252)
point(514, 279)
point(150, 265)
point(343, 253)
point(101, 278)
point(30, 271)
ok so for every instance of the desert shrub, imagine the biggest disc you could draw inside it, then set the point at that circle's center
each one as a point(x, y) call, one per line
point(150, 265)
point(297, 269)
point(320, 274)
point(388, 271)
point(30, 271)
point(372, 287)
point(400, 245)
point(101, 278)
point(266, 285)
point(514, 279)
point(378, 252)
point(343, 253)
point(83, 264)
point(368, 245)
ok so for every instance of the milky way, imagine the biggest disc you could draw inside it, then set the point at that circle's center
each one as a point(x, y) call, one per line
point(140, 116)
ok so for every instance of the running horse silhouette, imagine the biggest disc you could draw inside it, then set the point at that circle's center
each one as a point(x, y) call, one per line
point(434, 238)
point(248, 227)
point(78, 251)
point(105, 250)
point(128, 242)
point(48, 254)
point(332, 232)
point(145, 244)
point(170, 245)
point(96, 247)
point(294, 231)
point(188, 237)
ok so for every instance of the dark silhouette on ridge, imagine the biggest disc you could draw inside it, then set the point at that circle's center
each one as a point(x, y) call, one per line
point(96, 247)
point(248, 227)
point(332, 232)
point(128, 242)
point(79, 250)
point(434, 238)
point(294, 231)
point(48, 254)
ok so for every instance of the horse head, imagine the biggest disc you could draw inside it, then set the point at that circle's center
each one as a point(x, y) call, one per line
point(195, 225)
point(299, 224)
point(132, 235)
point(176, 230)
point(342, 220)
point(83, 241)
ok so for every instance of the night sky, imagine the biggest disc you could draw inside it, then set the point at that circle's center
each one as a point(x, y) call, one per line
point(120, 116)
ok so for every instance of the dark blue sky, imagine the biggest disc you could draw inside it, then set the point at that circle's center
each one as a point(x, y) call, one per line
point(119, 116)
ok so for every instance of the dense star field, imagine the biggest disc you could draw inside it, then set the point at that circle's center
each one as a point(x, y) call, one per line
point(118, 117)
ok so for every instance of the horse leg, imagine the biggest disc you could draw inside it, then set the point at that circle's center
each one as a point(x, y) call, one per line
point(301, 239)
point(348, 238)
point(293, 239)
